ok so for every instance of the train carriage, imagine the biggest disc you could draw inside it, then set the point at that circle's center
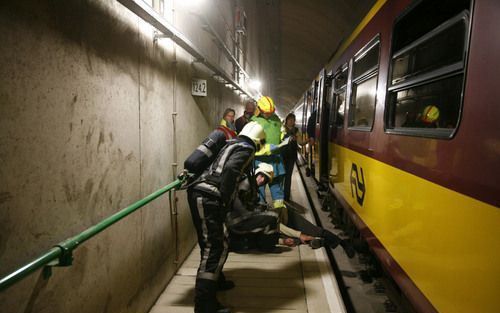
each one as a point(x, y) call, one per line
point(407, 136)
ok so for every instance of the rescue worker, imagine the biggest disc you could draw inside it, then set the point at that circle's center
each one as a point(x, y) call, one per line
point(289, 152)
point(245, 118)
point(210, 196)
point(228, 119)
point(251, 225)
point(254, 226)
point(269, 153)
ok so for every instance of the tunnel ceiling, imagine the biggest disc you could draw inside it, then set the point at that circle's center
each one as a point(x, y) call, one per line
point(309, 32)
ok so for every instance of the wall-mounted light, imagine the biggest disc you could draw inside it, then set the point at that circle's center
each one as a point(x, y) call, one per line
point(192, 3)
point(255, 84)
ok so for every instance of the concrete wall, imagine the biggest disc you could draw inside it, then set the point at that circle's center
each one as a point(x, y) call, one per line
point(86, 128)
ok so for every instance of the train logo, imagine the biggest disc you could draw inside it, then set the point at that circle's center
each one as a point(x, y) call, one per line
point(358, 183)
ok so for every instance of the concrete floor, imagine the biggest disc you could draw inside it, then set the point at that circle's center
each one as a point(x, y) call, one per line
point(297, 280)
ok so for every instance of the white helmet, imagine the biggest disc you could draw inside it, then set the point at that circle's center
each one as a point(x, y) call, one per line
point(254, 132)
point(265, 169)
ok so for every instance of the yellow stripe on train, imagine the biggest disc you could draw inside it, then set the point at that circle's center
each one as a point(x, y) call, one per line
point(447, 243)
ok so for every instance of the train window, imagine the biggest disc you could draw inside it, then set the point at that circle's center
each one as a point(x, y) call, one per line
point(362, 108)
point(318, 95)
point(340, 100)
point(442, 49)
point(364, 86)
point(340, 79)
point(422, 106)
point(340, 83)
point(366, 61)
point(423, 18)
point(427, 69)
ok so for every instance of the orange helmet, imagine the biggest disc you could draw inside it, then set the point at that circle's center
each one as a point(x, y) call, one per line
point(265, 105)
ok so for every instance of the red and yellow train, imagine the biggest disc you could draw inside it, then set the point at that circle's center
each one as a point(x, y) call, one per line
point(406, 122)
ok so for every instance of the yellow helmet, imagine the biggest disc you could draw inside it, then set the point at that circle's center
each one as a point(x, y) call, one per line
point(265, 105)
point(266, 170)
point(430, 114)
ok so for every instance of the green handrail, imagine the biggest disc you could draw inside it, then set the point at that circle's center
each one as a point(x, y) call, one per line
point(62, 252)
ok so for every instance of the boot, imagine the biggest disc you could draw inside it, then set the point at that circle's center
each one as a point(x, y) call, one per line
point(348, 248)
point(205, 300)
point(317, 243)
point(220, 308)
point(331, 239)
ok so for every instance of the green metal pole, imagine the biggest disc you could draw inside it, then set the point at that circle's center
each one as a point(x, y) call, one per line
point(65, 247)
point(29, 268)
point(74, 242)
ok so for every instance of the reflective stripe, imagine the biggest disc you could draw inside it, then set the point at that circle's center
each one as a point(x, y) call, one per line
point(279, 204)
point(208, 188)
point(223, 159)
point(205, 150)
point(224, 253)
point(206, 251)
point(207, 275)
point(236, 220)
point(267, 230)
point(227, 152)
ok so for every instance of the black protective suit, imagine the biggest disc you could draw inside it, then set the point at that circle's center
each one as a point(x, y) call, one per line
point(209, 198)
point(251, 225)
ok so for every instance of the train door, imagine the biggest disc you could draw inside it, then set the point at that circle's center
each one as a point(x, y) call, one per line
point(310, 130)
point(315, 118)
point(305, 115)
point(336, 120)
point(324, 104)
point(299, 112)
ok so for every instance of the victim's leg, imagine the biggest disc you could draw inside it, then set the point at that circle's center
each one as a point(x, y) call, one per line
point(298, 222)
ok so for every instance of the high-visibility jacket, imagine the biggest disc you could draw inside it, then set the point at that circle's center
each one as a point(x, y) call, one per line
point(274, 136)
point(272, 128)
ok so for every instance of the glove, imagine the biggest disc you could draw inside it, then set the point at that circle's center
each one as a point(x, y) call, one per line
point(182, 175)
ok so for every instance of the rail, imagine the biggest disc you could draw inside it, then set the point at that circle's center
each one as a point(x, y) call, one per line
point(61, 254)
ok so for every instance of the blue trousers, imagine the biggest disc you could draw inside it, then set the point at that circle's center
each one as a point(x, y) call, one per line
point(276, 187)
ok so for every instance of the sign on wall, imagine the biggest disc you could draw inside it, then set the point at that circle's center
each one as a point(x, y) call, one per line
point(199, 87)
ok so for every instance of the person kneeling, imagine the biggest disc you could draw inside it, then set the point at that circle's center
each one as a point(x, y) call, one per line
point(254, 226)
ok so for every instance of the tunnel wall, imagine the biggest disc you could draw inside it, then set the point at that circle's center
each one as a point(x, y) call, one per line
point(86, 113)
